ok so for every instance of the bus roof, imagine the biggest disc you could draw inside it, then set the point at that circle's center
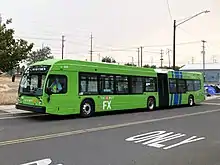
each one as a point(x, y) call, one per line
point(98, 67)
point(81, 65)
point(46, 62)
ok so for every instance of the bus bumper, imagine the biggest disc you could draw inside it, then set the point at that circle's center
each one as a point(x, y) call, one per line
point(37, 109)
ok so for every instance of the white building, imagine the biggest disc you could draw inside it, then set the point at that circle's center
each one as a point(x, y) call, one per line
point(212, 71)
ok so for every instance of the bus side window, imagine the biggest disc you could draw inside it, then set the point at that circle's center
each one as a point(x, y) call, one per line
point(106, 84)
point(172, 85)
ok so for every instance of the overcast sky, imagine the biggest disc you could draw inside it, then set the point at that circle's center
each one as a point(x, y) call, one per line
point(117, 24)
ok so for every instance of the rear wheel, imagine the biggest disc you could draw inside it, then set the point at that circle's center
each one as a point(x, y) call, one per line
point(191, 101)
point(87, 108)
point(151, 104)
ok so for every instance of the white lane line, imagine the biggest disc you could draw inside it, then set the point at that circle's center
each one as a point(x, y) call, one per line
point(95, 129)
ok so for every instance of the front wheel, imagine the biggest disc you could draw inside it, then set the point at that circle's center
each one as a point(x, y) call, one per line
point(87, 108)
point(191, 101)
point(151, 104)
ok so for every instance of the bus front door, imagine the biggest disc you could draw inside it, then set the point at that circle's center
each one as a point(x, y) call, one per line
point(163, 90)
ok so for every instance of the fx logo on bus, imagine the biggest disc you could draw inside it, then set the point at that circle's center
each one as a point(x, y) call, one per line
point(106, 105)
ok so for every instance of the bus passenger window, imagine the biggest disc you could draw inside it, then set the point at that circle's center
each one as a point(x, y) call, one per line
point(172, 84)
point(88, 84)
point(122, 85)
point(106, 84)
point(57, 83)
point(137, 85)
point(150, 84)
point(197, 85)
point(190, 85)
point(181, 86)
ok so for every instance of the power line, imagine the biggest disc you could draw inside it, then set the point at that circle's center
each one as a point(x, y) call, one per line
point(115, 50)
point(183, 43)
point(152, 52)
point(111, 47)
point(169, 10)
point(39, 38)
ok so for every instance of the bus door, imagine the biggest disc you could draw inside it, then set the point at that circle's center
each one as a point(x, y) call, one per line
point(163, 90)
point(57, 100)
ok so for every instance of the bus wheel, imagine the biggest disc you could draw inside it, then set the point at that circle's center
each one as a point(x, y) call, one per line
point(191, 101)
point(87, 108)
point(151, 103)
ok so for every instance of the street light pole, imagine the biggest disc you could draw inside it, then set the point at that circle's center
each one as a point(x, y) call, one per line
point(174, 44)
point(174, 34)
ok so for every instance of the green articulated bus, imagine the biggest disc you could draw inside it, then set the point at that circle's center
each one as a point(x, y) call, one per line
point(64, 87)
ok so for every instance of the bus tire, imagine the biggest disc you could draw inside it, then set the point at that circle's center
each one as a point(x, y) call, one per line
point(151, 103)
point(191, 101)
point(87, 108)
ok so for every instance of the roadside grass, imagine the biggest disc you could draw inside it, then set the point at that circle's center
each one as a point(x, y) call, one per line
point(8, 90)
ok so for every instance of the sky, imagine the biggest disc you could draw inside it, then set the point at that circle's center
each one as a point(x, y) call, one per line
point(119, 28)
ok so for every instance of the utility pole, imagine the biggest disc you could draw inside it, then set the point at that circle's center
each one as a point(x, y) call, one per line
point(99, 57)
point(213, 59)
point(0, 19)
point(138, 56)
point(141, 56)
point(132, 60)
point(161, 58)
point(192, 60)
point(203, 53)
point(168, 52)
point(151, 61)
point(62, 45)
point(91, 37)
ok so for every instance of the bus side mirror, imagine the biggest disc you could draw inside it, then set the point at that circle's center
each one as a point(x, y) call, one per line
point(49, 91)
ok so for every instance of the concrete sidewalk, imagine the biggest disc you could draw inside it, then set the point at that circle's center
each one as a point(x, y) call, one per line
point(11, 109)
point(212, 97)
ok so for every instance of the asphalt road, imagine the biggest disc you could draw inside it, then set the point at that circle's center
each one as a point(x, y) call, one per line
point(163, 137)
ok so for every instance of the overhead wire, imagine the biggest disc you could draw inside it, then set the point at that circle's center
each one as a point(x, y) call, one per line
point(169, 10)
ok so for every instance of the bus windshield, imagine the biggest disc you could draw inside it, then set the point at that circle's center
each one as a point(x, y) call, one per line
point(32, 82)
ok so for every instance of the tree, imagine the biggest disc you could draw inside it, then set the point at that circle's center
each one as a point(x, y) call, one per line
point(108, 59)
point(12, 51)
point(129, 64)
point(166, 67)
point(146, 66)
point(39, 55)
